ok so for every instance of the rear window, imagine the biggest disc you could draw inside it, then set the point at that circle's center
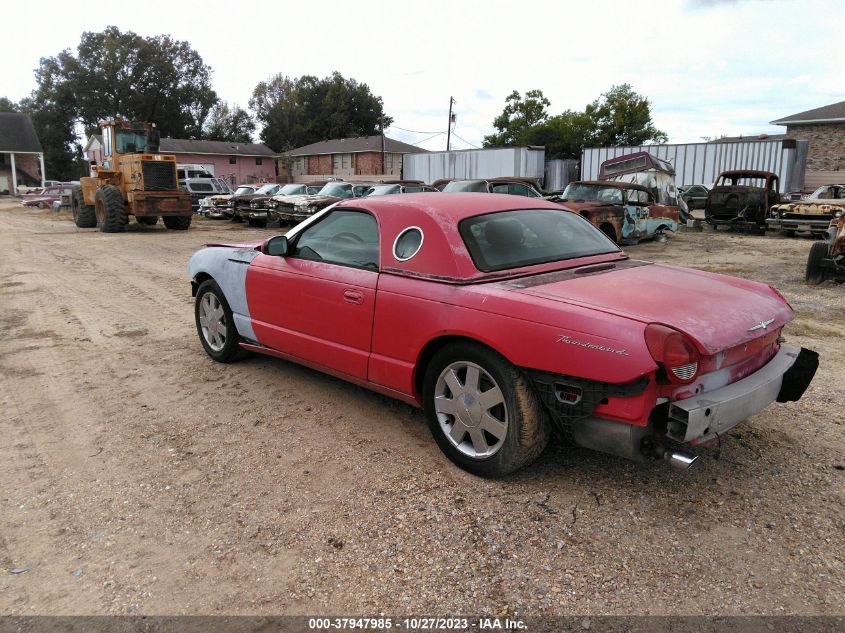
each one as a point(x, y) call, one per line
point(511, 239)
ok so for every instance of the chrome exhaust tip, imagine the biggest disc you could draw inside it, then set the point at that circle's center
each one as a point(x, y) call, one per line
point(679, 460)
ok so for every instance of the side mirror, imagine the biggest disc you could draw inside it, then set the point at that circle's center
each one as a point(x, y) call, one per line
point(276, 246)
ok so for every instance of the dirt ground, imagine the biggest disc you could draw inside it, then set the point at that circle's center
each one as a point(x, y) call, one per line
point(139, 477)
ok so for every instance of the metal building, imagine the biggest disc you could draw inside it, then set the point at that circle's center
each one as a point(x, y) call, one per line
point(701, 163)
point(525, 162)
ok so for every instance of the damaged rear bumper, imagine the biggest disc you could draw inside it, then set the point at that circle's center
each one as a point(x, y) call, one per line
point(702, 418)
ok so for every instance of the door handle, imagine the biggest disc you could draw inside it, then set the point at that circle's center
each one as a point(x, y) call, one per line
point(353, 296)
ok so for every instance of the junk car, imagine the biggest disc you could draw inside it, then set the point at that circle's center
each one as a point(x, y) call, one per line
point(513, 186)
point(826, 260)
point(741, 199)
point(298, 208)
point(625, 212)
point(646, 170)
point(502, 317)
point(813, 213)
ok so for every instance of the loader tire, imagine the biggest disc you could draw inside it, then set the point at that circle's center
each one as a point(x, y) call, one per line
point(83, 214)
point(177, 222)
point(111, 213)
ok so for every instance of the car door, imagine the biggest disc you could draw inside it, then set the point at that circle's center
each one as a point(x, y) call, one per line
point(317, 302)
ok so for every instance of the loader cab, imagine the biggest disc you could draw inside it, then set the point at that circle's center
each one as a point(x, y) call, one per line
point(126, 137)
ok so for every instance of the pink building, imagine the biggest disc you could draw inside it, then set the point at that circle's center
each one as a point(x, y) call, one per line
point(237, 162)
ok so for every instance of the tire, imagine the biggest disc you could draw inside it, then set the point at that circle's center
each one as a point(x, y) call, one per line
point(517, 419)
point(83, 214)
point(41, 205)
point(147, 220)
point(110, 211)
point(225, 348)
point(258, 223)
point(177, 222)
point(815, 273)
point(236, 218)
point(788, 232)
point(608, 230)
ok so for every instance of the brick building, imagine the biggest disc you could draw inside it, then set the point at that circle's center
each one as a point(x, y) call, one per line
point(237, 162)
point(824, 128)
point(21, 156)
point(346, 158)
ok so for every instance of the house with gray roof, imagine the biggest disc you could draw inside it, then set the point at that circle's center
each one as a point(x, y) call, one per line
point(349, 158)
point(824, 128)
point(21, 155)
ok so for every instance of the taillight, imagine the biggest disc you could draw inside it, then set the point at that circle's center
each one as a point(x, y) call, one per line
point(674, 351)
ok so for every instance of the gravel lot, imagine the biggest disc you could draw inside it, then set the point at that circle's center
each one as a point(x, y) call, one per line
point(139, 477)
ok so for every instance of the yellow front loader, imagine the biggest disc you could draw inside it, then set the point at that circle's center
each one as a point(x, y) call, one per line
point(134, 179)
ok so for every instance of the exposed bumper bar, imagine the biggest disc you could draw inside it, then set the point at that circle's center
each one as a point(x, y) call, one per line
point(700, 419)
point(792, 223)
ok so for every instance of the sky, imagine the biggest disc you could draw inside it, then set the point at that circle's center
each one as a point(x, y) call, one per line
point(709, 67)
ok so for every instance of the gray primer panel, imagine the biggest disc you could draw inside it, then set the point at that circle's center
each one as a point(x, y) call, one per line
point(228, 267)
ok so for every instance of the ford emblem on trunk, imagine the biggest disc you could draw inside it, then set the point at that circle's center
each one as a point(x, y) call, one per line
point(761, 325)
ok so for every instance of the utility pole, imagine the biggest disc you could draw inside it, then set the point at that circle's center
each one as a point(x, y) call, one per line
point(449, 128)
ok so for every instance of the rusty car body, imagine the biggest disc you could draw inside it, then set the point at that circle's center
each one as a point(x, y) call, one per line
point(626, 212)
point(503, 318)
point(45, 198)
point(222, 206)
point(826, 260)
point(651, 172)
point(298, 208)
point(741, 199)
point(240, 203)
point(813, 213)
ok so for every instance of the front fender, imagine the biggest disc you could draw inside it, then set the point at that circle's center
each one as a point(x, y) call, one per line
point(228, 267)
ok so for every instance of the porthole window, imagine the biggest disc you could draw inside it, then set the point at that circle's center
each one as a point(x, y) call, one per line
point(408, 243)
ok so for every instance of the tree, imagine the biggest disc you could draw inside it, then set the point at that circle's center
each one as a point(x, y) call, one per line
point(229, 124)
point(620, 116)
point(156, 79)
point(7, 106)
point(297, 112)
point(518, 118)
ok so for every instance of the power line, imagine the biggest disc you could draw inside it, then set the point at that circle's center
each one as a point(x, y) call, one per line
point(426, 139)
point(465, 141)
point(414, 131)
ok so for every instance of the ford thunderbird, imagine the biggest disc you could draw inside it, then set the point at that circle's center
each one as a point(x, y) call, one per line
point(505, 317)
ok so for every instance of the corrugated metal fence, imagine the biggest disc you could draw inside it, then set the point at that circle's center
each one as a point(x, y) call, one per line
point(701, 163)
point(526, 162)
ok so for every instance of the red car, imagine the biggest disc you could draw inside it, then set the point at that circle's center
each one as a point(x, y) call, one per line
point(502, 317)
point(45, 198)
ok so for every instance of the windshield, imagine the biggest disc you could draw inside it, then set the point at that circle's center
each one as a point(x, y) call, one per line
point(338, 191)
point(292, 190)
point(384, 190)
point(827, 192)
point(242, 191)
point(465, 185)
point(582, 191)
point(511, 239)
point(133, 141)
point(267, 190)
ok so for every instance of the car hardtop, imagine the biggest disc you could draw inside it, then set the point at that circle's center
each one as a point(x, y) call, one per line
point(736, 174)
point(444, 256)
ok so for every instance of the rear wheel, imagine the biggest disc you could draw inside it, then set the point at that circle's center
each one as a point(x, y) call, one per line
point(147, 220)
point(482, 411)
point(111, 214)
point(608, 230)
point(83, 214)
point(177, 222)
point(815, 273)
point(215, 325)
